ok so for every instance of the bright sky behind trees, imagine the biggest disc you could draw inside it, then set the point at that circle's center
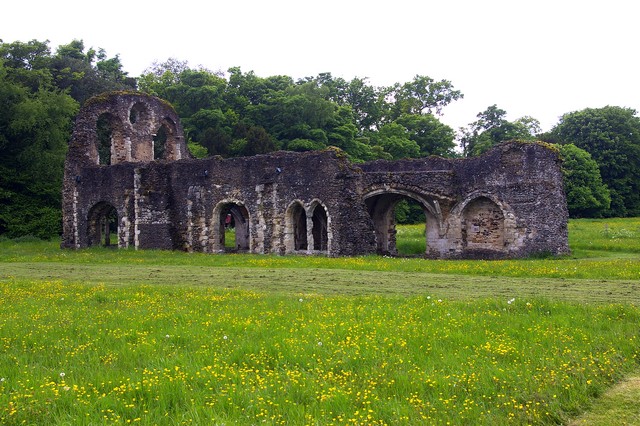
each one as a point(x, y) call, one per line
point(541, 58)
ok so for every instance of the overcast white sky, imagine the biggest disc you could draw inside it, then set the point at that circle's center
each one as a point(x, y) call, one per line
point(541, 58)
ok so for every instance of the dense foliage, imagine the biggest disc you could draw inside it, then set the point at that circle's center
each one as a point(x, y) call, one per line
point(612, 136)
point(587, 196)
point(244, 114)
point(40, 93)
point(492, 128)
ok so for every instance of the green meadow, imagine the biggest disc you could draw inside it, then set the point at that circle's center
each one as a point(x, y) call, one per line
point(103, 336)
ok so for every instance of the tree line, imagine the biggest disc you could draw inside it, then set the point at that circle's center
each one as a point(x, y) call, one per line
point(238, 113)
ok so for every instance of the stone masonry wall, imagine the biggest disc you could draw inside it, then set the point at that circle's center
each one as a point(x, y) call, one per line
point(508, 202)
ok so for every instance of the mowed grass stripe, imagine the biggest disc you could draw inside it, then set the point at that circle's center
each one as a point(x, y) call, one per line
point(330, 281)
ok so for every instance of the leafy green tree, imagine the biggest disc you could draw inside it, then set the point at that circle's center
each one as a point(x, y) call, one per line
point(156, 79)
point(423, 94)
point(39, 94)
point(198, 95)
point(492, 128)
point(27, 64)
point(612, 136)
point(586, 195)
point(35, 124)
point(86, 74)
point(367, 103)
point(247, 89)
point(432, 136)
point(310, 114)
point(395, 140)
point(197, 150)
point(253, 140)
point(409, 211)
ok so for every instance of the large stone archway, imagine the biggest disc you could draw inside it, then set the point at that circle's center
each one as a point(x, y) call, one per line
point(381, 205)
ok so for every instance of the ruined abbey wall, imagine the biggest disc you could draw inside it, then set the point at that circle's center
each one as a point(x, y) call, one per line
point(508, 202)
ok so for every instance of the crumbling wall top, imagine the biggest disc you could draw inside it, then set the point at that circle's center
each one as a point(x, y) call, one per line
point(115, 127)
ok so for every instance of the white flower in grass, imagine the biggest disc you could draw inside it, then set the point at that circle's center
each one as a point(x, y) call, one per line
point(2, 379)
point(319, 343)
point(225, 337)
point(167, 336)
point(300, 300)
point(510, 301)
point(62, 375)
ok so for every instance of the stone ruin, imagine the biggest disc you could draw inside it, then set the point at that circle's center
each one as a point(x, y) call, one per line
point(130, 181)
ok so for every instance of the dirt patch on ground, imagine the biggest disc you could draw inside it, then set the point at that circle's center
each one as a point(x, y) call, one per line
point(620, 405)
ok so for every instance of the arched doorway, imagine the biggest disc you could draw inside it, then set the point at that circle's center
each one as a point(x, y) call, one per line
point(483, 225)
point(320, 226)
point(103, 225)
point(381, 205)
point(230, 221)
point(296, 228)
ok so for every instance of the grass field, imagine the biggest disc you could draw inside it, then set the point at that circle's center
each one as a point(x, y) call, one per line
point(106, 336)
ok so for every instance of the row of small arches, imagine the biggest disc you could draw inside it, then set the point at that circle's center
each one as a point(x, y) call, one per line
point(307, 226)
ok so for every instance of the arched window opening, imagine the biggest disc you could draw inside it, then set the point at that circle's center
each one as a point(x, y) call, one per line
point(104, 130)
point(295, 238)
point(232, 228)
point(160, 143)
point(319, 230)
point(103, 225)
point(110, 142)
point(138, 114)
point(483, 225)
point(389, 209)
point(165, 141)
point(299, 217)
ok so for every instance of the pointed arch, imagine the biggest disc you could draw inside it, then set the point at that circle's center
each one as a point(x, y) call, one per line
point(139, 115)
point(485, 223)
point(231, 214)
point(109, 140)
point(381, 205)
point(165, 141)
point(295, 234)
point(319, 226)
point(102, 222)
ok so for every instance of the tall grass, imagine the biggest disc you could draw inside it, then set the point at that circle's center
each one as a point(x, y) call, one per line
point(604, 237)
point(182, 349)
point(411, 239)
point(83, 354)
